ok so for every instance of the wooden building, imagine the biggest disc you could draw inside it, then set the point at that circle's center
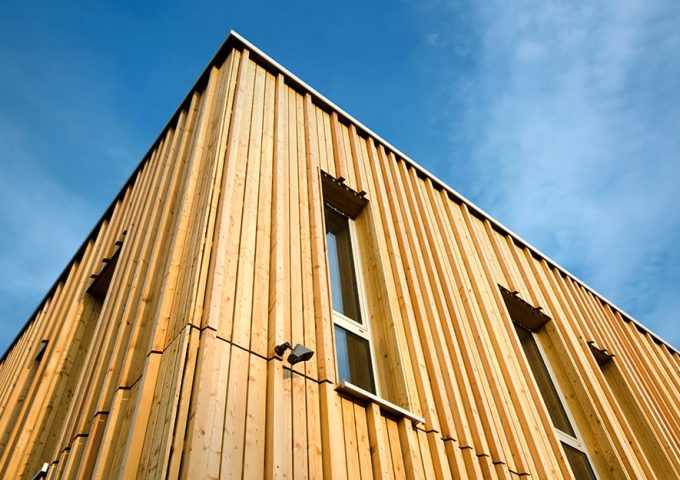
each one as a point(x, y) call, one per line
point(444, 345)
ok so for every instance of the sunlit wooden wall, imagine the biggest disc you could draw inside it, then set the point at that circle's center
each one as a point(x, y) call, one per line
point(220, 254)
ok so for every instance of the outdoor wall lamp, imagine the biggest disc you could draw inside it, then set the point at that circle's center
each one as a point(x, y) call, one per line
point(299, 353)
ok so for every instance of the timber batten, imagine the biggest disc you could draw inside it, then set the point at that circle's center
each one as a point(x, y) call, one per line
point(213, 252)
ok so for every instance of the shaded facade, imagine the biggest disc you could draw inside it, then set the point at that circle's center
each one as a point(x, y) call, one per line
point(445, 346)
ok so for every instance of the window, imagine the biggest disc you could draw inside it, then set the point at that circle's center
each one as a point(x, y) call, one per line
point(528, 319)
point(352, 333)
point(40, 352)
point(573, 446)
point(101, 281)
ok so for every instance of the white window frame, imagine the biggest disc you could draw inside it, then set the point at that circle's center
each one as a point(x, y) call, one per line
point(363, 329)
point(575, 442)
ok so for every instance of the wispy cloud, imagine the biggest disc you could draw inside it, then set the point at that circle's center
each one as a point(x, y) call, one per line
point(432, 39)
point(572, 122)
point(59, 130)
point(41, 225)
point(41, 220)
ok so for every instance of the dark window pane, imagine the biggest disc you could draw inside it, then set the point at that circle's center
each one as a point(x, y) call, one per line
point(334, 270)
point(354, 359)
point(578, 461)
point(344, 293)
point(545, 384)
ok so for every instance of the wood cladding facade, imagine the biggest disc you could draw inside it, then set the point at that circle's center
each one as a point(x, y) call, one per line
point(214, 252)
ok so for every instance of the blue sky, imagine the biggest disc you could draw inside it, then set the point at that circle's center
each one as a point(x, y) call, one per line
point(561, 119)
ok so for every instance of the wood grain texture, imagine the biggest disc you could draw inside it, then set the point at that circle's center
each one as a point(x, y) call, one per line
point(221, 255)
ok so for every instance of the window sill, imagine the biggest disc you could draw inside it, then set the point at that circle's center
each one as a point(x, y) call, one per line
point(367, 397)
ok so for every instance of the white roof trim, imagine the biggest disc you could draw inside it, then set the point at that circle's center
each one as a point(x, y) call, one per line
point(443, 184)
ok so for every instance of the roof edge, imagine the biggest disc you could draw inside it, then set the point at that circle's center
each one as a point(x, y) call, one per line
point(234, 39)
point(471, 205)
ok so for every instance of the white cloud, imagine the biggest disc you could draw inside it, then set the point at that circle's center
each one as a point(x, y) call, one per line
point(576, 142)
point(529, 51)
point(432, 39)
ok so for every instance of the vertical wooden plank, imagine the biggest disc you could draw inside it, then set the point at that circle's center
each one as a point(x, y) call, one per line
point(428, 323)
point(296, 327)
point(358, 159)
point(150, 333)
point(339, 158)
point(127, 353)
point(307, 281)
point(25, 421)
point(70, 465)
point(428, 465)
point(26, 371)
point(389, 339)
point(228, 127)
point(332, 434)
point(279, 298)
point(245, 273)
point(254, 447)
point(350, 434)
point(221, 269)
point(16, 367)
point(314, 440)
point(408, 441)
point(324, 333)
point(444, 462)
point(233, 213)
point(458, 464)
point(395, 448)
point(161, 409)
point(182, 418)
point(76, 414)
point(363, 442)
point(323, 142)
point(459, 338)
point(89, 386)
point(234, 424)
point(278, 458)
point(278, 444)
point(87, 464)
point(347, 154)
point(134, 444)
point(203, 444)
point(260, 321)
point(377, 436)
point(299, 430)
point(106, 382)
point(325, 121)
point(411, 333)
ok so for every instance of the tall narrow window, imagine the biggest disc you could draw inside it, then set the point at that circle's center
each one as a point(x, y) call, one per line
point(527, 320)
point(352, 333)
point(573, 446)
